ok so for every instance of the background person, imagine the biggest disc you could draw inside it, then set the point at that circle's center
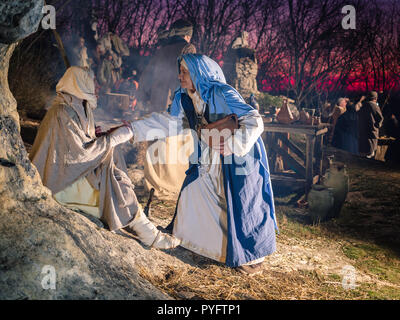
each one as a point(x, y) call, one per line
point(158, 83)
point(370, 119)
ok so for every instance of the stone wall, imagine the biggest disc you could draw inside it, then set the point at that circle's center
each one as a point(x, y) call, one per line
point(240, 69)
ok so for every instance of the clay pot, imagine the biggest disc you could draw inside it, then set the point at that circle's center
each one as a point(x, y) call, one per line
point(284, 115)
point(304, 117)
point(320, 203)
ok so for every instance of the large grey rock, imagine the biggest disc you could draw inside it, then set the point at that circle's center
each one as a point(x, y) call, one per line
point(19, 19)
point(89, 261)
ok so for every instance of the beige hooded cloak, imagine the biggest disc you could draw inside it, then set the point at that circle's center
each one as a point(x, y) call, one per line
point(77, 167)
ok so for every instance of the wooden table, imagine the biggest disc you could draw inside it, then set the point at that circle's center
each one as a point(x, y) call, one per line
point(307, 166)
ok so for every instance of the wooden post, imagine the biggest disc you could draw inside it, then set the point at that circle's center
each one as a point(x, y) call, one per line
point(62, 49)
point(270, 139)
point(310, 143)
point(319, 154)
point(60, 45)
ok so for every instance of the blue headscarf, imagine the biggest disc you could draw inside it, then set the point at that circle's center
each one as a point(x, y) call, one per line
point(210, 83)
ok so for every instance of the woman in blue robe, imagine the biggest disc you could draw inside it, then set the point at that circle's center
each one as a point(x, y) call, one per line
point(225, 210)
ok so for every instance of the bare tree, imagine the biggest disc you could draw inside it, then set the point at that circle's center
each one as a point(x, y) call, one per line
point(380, 27)
point(314, 43)
point(300, 45)
point(215, 23)
point(268, 44)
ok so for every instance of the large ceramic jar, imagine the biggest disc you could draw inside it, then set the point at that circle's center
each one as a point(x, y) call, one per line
point(320, 202)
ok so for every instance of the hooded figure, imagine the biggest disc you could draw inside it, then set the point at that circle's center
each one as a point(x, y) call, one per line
point(225, 210)
point(83, 171)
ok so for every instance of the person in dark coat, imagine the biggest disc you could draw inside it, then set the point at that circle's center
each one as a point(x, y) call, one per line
point(346, 130)
point(391, 126)
point(337, 111)
point(159, 79)
point(369, 121)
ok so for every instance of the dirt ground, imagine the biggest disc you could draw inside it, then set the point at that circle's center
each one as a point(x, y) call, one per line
point(356, 256)
point(311, 261)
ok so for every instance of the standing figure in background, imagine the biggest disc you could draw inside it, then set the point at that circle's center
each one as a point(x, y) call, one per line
point(115, 47)
point(78, 53)
point(114, 44)
point(326, 112)
point(345, 136)
point(391, 124)
point(370, 119)
point(337, 111)
point(159, 79)
point(98, 56)
point(128, 85)
point(158, 83)
point(107, 74)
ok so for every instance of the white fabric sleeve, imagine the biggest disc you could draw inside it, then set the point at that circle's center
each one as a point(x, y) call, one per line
point(251, 126)
point(157, 126)
point(120, 135)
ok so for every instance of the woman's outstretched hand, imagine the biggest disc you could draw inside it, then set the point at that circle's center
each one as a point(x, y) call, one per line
point(126, 124)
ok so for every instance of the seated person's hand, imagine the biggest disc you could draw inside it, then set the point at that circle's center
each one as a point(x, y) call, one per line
point(120, 135)
point(126, 124)
point(99, 131)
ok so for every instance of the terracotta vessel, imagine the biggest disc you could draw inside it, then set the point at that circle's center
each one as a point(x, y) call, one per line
point(304, 117)
point(284, 115)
